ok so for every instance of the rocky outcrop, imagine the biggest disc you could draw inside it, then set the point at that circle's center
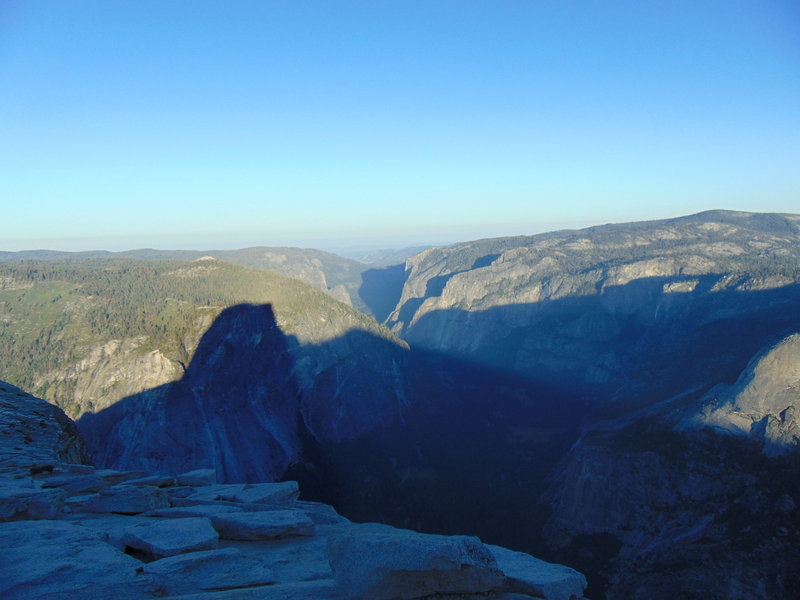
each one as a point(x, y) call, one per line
point(698, 489)
point(225, 541)
point(32, 430)
point(383, 563)
point(763, 403)
point(655, 513)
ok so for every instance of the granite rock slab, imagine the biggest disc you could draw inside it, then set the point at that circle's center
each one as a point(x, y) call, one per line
point(160, 538)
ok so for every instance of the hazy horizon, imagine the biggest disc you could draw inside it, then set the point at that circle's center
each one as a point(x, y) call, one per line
point(347, 247)
point(227, 241)
point(343, 124)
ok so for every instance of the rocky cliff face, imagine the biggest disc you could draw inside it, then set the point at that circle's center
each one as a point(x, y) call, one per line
point(764, 403)
point(655, 513)
point(698, 492)
point(32, 430)
point(72, 531)
point(112, 370)
point(618, 308)
point(675, 331)
point(234, 410)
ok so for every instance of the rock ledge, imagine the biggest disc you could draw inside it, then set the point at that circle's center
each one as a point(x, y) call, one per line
point(72, 532)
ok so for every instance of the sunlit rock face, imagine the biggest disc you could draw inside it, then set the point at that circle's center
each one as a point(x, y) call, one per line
point(764, 403)
point(616, 310)
point(113, 370)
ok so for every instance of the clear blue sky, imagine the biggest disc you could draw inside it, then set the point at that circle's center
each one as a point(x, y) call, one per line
point(223, 124)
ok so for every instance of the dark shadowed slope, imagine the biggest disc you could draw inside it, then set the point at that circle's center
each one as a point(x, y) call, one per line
point(385, 434)
point(247, 389)
point(234, 410)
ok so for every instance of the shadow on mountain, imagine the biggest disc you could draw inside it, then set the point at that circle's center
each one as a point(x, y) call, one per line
point(414, 439)
point(431, 443)
point(439, 443)
point(641, 355)
point(248, 394)
point(634, 343)
point(381, 289)
point(234, 410)
point(471, 456)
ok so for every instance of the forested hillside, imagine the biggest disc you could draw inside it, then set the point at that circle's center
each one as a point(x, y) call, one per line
point(56, 314)
point(336, 275)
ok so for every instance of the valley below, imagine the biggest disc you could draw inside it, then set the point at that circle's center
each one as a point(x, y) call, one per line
point(621, 399)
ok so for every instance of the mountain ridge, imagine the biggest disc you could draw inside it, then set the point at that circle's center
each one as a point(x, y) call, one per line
point(630, 276)
point(333, 274)
point(91, 326)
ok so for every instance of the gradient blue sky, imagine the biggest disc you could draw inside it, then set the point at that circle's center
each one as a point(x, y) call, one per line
point(226, 124)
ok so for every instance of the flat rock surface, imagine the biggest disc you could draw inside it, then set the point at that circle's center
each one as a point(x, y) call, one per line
point(201, 510)
point(300, 590)
point(383, 563)
point(214, 492)
point(54, 559)
point(295, 558)
point(110, 527)
point(197, 477)
point(155, 480)
point(18, 500)
point(526, 574)
point(125, 499)
point(113, 476)
point(76, 484)
point(210, 570)
point(263, 525)
point(159, 538)
point(283, 492)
